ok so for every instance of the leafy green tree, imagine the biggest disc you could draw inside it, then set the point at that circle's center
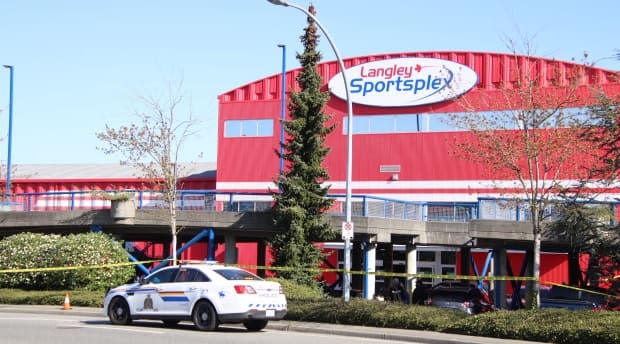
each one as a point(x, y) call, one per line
point(535, 142)
point(301, 200)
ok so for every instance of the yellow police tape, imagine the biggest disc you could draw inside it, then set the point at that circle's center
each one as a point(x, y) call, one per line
point(387, 273)
point(423, 276)
point(580, 289)
point(317, 271)
point(78, 267)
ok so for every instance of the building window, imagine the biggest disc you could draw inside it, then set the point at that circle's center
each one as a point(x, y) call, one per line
point(435, 122)
point(448, 257)
point(438, 122)
point(426, 256)
point(382, 124)
point(248, 128)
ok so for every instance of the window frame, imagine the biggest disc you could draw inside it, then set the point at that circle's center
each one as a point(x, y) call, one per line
point(257, 127)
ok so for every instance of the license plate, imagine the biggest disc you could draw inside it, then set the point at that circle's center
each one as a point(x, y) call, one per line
point(270, 313)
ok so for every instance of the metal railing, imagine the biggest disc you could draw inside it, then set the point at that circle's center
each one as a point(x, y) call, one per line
point(519, 210)
point(210, 200)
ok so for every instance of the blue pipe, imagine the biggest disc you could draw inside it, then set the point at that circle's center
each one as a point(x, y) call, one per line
point(485, 270)
point(474, 266)
point(366, 270)
point(195, 239)
point(211, 246)
point(7, 190)
point(96, 228)
point(282, 109)
point(139, 266)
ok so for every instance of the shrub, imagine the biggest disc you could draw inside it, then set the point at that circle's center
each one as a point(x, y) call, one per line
point(546, 325)
point(114, 195)
point(80, 298)
point(372, 313)
point(296, 291)
point(308, 304)
point(30, 250)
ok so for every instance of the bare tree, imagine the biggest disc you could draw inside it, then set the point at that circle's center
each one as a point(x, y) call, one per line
point(153, 145)
point(533, 142)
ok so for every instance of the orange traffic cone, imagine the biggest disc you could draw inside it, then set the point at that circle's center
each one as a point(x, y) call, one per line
point(67, 304)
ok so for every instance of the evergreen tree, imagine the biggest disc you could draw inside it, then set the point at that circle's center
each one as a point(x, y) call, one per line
point(603, 129)
point(301, 201)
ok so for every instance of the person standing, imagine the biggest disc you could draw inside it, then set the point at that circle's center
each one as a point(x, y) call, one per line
point(420, 293)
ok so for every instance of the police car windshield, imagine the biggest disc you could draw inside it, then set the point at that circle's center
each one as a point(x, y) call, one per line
point(237, 275)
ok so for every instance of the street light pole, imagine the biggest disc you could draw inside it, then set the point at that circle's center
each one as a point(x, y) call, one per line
point(282, 111)
point(7, 190)
point(346, 288)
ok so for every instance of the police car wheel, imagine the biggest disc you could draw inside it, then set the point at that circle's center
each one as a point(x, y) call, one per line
point(118, 311)
point(204, 316)
point(255, 325)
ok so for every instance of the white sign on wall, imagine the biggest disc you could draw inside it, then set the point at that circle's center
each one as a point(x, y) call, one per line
point(404, 82)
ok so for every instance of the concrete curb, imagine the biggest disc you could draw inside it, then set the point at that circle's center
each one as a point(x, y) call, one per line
point(300, 326)
point(387, 333)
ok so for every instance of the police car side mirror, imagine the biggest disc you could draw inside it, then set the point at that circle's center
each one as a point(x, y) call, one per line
point(141, 280)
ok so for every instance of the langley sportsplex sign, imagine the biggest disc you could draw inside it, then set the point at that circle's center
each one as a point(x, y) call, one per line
point(404, 82)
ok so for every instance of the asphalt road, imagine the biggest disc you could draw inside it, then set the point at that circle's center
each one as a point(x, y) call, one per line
point(18, 328)
point(49, 324)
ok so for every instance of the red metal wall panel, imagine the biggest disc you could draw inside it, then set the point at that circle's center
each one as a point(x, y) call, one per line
point(422, 156)
point(32, 185)
point(553, 266)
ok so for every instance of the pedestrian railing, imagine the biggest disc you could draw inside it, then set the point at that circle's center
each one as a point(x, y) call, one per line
point(214, 201)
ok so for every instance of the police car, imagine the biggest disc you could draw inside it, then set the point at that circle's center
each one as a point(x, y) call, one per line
point(207, 294)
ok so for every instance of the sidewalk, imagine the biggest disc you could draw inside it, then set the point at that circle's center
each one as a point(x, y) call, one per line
point(299, 326)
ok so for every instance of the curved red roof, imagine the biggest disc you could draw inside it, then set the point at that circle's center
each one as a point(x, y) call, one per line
point(493, 69)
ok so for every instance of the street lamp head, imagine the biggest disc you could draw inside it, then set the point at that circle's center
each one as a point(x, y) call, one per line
point(7, 66)
point(281, 46)
point(279, 2)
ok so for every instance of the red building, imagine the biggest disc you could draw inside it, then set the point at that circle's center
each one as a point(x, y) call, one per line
point(399, 151)
point(402, 145)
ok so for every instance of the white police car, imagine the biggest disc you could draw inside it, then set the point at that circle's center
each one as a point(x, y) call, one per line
point(207, 294)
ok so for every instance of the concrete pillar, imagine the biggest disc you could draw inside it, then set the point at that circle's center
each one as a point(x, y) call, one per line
point(500, 268)
point(356, 265)
point(411, 266)
point(465, 260)
point(261, 259)
point(370, 265)
point(230, 250)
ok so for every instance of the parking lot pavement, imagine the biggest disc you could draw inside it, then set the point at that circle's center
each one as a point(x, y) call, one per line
point(300, 326)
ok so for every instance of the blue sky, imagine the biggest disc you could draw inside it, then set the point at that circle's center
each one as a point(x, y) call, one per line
point(79, 65)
